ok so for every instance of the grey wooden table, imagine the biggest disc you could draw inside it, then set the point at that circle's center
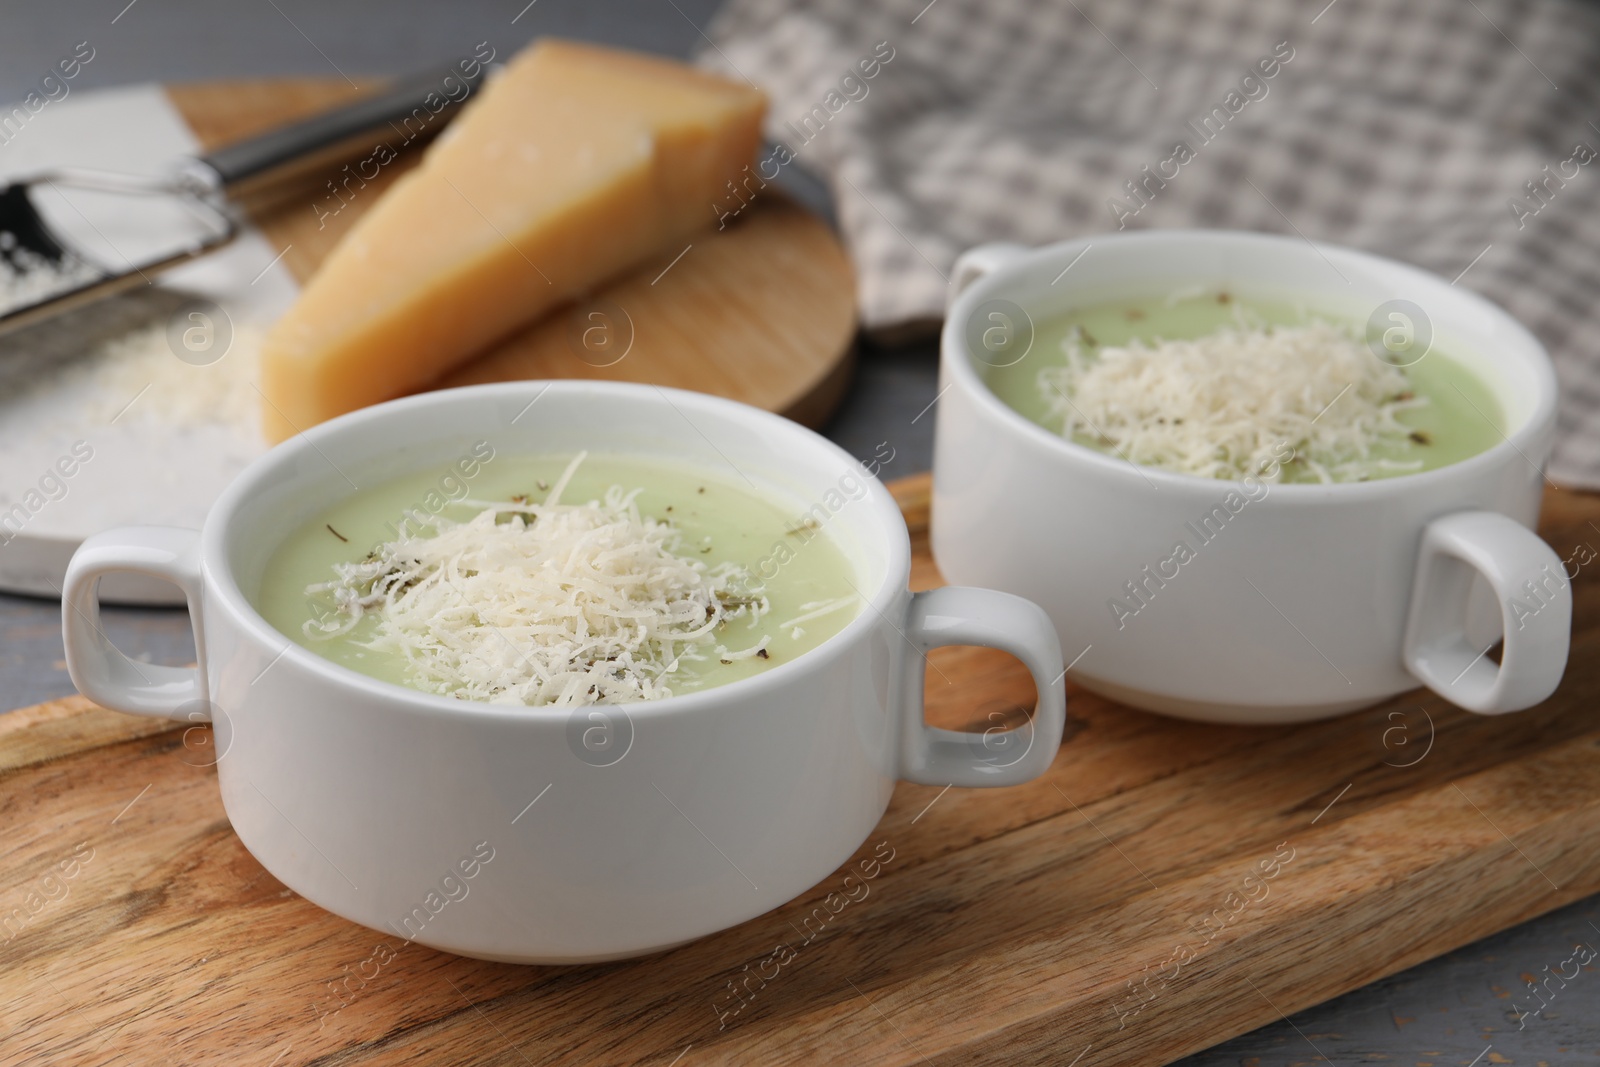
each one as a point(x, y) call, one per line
point(1453, 1010)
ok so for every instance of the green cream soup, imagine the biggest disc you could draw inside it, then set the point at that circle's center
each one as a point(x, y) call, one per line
point(1446, 414)
point(779, 585)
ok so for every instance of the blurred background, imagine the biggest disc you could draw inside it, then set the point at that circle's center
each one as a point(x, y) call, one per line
point(1455, 1010)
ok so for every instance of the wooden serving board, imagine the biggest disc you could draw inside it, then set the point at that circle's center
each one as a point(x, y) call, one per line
point(1166, 885)
point(761, 311)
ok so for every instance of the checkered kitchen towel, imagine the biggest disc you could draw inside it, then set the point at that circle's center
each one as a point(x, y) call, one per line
point(1412, 128)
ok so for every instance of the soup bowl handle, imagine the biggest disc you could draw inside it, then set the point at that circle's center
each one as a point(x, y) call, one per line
point(955, 615)
point(98, 668)
point(974, 263)
point(1535, 597)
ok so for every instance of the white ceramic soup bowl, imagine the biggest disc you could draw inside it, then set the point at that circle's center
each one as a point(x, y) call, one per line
point(539, 835)
point(1300, 601)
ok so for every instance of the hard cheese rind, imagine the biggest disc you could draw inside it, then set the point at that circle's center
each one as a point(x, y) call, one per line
point(575, 164)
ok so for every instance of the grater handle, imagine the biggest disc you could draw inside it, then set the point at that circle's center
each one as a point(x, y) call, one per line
point(275, 163)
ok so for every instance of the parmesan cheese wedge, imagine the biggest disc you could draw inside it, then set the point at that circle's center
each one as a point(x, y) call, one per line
point(573, 165)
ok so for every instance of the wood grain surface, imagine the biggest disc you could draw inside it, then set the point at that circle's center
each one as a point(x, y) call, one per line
point(762, 311)
point(1166, 885)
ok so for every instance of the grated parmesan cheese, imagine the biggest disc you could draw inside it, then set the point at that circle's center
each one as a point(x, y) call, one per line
point(757, 649)
point(140, 363)
point(816, 609)
point(543, 604)
point(27, 278)
point(1224, 405)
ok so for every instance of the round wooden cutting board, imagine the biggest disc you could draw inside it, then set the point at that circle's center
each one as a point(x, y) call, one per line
point(762, 310)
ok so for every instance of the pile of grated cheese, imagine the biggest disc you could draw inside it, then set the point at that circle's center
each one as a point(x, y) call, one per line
point(543, 604)
point(28, 278)
point(140, 363)
point(1226, 405)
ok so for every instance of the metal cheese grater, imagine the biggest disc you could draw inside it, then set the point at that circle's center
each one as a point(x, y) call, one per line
point(43, 272)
